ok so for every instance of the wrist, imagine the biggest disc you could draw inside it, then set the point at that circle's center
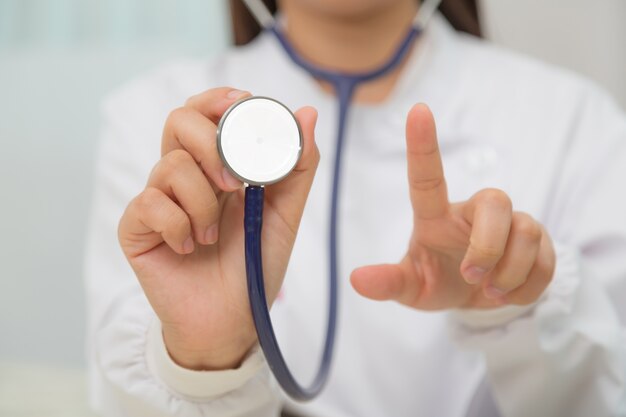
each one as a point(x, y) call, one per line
point(195, 385)
point(481, 319)
point(196, 355)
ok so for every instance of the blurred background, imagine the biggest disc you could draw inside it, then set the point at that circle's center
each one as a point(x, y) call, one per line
point(58, 58)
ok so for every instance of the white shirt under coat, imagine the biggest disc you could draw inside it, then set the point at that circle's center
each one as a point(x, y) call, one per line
point(554, 142)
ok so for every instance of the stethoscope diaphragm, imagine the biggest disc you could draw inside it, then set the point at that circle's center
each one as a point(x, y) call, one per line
point(259, 140)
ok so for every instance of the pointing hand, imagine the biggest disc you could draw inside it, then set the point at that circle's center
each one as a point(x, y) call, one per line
point(479, 253)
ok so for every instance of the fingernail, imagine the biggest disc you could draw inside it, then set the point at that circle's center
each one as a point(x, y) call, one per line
point(210, 236)
point(235, 94)
point(474, 274)
point(493, 292)
point(188, 245)
point(229, 180)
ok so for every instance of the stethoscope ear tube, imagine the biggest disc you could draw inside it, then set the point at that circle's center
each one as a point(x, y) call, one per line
point(253, 224)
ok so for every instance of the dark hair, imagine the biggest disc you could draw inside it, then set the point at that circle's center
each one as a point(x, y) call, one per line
point(462, 14)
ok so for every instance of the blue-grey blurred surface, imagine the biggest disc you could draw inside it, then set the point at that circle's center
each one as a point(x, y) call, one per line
point(58, 58)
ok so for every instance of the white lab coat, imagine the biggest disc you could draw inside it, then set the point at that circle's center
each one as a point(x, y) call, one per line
point(552, 141)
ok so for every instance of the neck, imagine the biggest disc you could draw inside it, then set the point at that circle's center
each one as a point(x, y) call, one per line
point(349, 42)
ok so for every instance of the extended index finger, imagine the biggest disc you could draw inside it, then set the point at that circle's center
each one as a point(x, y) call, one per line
point(429, 195)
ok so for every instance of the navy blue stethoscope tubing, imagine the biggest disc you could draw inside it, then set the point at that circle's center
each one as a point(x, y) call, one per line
point(345, 85)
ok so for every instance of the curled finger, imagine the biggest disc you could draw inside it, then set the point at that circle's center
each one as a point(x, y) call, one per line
point(539, 276)
point(152, 218)
point(178, 176)
point(519, 257)
point(490, 213)
point(187, 129)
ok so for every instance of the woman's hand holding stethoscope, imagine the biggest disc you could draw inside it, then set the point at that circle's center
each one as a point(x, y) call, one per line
point(475, 254)
point(183, 235)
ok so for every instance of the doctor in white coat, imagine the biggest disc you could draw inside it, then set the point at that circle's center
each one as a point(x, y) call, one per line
point(495, 241)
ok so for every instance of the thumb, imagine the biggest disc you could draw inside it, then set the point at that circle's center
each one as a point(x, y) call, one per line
point(289, 195)
point(385, 282)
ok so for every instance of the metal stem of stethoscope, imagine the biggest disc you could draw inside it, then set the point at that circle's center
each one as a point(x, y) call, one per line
point(345, 85)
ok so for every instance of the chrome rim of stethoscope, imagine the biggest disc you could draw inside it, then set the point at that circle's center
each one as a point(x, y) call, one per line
point(228, 161)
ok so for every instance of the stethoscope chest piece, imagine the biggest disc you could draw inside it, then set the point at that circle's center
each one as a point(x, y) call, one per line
point(259, 140)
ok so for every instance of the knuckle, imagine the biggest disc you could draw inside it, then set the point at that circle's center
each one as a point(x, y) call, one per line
point(527, 294)
point(545, 278)
point(147, 199)
point(544, 271)
point(212, 94)
point(495, 196)
point(175, 159)
point(486, 252)
point(426, 184)
point(424, 150)
point(191, 100)
point(525, 226)
point(511, 282)
point(177, 221)
point(213, 207)
point(204, 211)
point(176, 116)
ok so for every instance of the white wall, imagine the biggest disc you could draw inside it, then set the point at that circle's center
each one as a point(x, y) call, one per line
point(588, 36)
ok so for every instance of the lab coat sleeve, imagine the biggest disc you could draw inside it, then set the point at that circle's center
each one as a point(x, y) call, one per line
point(565, 355)
point(130, 372)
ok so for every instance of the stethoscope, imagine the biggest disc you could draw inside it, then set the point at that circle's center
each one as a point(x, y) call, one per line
point(260, 142)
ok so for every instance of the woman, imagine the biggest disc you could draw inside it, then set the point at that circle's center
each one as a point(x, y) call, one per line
point(512, 289)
